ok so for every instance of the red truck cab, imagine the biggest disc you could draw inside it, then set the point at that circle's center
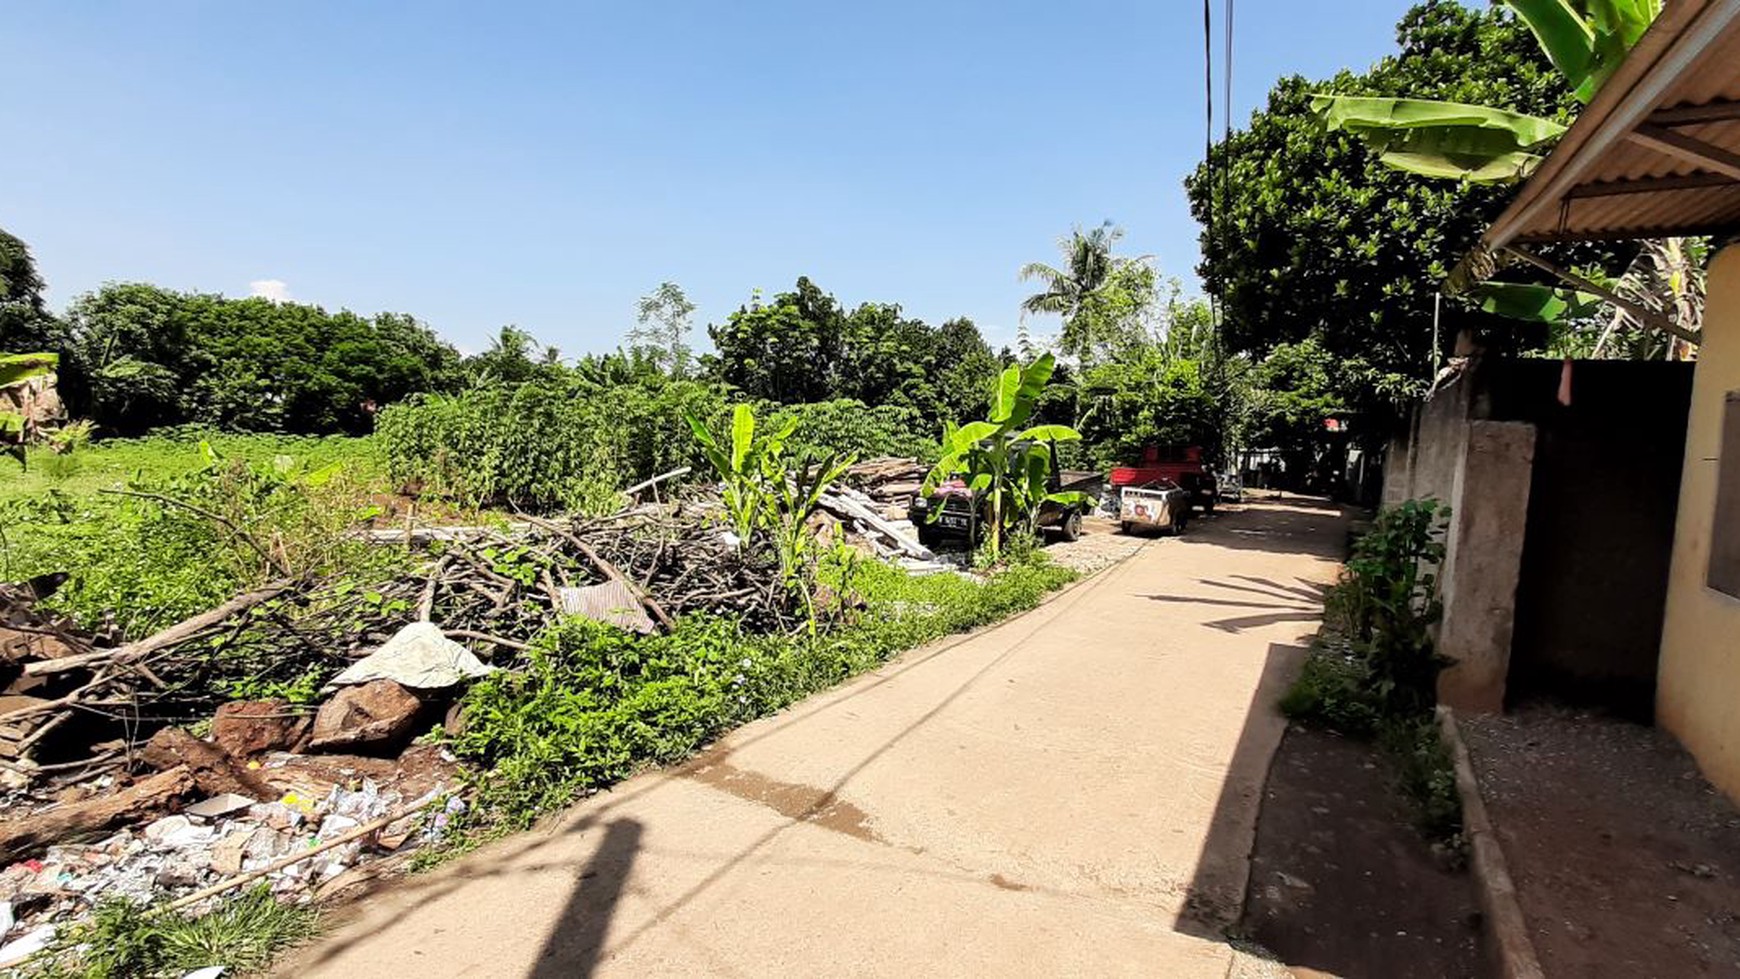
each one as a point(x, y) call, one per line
point(1179, 464)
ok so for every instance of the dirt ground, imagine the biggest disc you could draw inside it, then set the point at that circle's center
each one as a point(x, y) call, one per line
point(1101, 545)
point(1626, 862)
point(1341, 882)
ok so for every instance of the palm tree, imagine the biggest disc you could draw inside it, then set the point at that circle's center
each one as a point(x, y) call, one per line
point(1092, 280)
point(1089, 260)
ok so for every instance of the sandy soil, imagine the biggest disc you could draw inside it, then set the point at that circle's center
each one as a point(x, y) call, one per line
point(1626, 862)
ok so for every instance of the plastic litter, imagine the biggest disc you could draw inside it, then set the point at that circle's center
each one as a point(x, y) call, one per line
point(419, 657)
point(219, 805)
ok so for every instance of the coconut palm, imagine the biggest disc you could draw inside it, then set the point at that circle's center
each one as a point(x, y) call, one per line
point(1098, 294)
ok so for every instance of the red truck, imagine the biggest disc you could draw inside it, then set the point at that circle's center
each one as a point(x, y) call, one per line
point(1178, 464)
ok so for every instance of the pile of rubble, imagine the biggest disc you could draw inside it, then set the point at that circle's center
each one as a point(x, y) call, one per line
point(130, 770)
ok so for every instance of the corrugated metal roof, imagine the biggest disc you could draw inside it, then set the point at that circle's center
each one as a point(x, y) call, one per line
point(1657, 152)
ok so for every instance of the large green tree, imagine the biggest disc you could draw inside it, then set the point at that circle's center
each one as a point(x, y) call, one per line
point(140, 357)
point(25, 323)
point(802, 347)
point(1307, 234)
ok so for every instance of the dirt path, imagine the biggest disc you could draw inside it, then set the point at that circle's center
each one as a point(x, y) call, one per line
point(1070, 793)
point(1335, 848)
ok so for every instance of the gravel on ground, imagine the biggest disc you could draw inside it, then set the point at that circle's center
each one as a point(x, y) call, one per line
point(1626, 861)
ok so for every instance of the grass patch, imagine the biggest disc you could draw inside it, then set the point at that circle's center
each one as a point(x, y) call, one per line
point(138, 565)
point(123, 940)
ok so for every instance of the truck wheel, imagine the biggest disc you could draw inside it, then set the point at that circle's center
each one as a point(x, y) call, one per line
point(1070, 529)
point(1128, 527)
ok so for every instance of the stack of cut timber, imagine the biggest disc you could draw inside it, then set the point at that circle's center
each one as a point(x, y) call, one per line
point(889, 538)
point(888, 480)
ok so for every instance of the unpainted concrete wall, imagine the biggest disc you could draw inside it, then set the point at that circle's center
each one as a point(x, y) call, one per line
point(1698, 689)
point(1489, 515)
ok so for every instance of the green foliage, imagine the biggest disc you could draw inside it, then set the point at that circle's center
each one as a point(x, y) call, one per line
point(1144, 397)
point(597, 703)
point(545, 445)
point(1425, 774)
point(1006, 463)
point(662, 331)
point(139, 357)
point(1313, 235)
point(853, 428)
point(1375, 660)
point(513, 357)
point(1475, 143)
point(25, 323)
point(767, 494)
point(802, 347)
point(1102, 298)
point(148, 563)
point(123, 940)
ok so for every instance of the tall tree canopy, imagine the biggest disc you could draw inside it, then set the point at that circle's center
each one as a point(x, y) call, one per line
point(1103, 298)
point(25, 323)
point(802, 347)
point(139, 357)
point(1307, 234)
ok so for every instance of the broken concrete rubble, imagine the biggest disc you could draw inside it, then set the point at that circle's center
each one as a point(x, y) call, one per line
point(245, 728)
point(375, 717)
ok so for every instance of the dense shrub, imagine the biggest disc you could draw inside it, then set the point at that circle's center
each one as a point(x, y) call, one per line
point(852, 428)
point(544, 445)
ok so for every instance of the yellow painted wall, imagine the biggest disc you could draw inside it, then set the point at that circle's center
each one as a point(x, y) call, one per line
point(1698, 696)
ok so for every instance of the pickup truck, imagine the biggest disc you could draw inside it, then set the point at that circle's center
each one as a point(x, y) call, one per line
point(1181, 465)
point(961, 518)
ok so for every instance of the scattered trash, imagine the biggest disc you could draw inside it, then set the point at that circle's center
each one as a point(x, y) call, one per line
point(219, 805)
point(419, 657)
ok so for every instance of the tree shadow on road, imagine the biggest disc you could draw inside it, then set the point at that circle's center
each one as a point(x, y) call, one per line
point(1215, 896)
point(1284, 603)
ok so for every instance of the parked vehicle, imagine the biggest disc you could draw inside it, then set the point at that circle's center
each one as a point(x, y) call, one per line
point(961, 518)
point(1180, 465)
point(1230, 486)
point(1160, 505)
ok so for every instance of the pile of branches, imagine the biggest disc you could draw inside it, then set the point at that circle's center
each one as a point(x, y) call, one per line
point(493, 589)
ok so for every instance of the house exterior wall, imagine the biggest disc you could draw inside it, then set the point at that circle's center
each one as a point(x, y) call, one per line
point(1698, 683)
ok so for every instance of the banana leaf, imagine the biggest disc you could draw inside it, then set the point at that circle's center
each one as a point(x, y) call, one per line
point(1535, 303)
point(1442, 139)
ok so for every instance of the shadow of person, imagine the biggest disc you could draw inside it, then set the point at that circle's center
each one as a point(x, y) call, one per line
point(576, 940)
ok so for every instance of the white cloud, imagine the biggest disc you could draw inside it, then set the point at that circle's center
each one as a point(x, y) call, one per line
point(274, 289)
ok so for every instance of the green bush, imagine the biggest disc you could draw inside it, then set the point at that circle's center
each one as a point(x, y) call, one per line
point(544, 445)
point(852, 428)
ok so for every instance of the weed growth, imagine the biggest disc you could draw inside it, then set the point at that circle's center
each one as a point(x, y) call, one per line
point(123, 940)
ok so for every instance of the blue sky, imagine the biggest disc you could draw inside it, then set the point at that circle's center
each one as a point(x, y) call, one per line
point(545, 164)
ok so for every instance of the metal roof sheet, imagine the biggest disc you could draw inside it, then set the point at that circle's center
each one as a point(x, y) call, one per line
point(1656, 153)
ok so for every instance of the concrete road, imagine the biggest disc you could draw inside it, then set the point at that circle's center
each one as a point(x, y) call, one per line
point(1073, 792)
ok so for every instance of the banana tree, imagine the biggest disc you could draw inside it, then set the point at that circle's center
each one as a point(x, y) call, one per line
point(18, 393)
point(1585, 39)
point(1005, 463)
